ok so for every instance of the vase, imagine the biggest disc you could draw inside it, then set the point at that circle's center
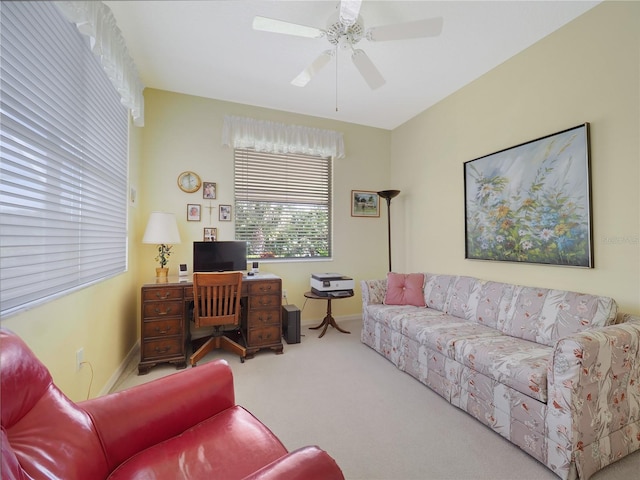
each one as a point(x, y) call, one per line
point(162, 271)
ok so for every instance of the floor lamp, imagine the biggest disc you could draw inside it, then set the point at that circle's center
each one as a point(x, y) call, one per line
point(388, 195)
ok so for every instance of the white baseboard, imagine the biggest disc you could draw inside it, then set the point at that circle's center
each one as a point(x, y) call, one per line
point(131, 358)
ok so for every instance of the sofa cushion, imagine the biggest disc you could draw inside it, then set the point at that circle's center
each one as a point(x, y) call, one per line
point(488, 303)
point(514, 362)
point(209, 450)
point(545, 316)
point(457, 302)
point(441, 332)
point(405, 289)
point(436, 290)
point(397, 316)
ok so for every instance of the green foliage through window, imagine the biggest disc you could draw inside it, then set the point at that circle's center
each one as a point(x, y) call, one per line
point(283, 204)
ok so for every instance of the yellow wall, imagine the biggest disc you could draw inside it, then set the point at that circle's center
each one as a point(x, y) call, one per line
point(587, 71)
point(184, 132)
point(100, 318)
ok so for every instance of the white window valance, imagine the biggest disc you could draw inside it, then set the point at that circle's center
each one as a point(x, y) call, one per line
point(95, 20)
point(272, 137)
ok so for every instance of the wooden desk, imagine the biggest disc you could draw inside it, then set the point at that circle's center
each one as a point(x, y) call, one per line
point(165, 332)
point(328, 319)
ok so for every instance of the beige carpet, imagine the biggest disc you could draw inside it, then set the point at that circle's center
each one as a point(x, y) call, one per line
point(377, 422)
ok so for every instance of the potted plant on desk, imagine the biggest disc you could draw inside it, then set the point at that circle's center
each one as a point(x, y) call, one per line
point(164, 252)
point(162, 230)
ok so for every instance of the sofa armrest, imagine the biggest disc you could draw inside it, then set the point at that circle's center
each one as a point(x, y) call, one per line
point(137, 418)
point(594, 394)
point(373, 291)
point(307, 463)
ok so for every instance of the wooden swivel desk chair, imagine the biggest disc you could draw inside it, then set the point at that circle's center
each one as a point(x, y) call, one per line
point(216, 302)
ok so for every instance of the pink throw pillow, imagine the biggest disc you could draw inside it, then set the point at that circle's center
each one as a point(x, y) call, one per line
point(405, 289)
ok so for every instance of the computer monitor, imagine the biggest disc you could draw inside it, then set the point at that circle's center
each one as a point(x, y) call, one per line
point(219, 256)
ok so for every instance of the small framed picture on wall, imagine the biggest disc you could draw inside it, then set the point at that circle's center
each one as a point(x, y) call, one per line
point(210, 234)
point(209, 190)
point(193, 212)
point(224, 213)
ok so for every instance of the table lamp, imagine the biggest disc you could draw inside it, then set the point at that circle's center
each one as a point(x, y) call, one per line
point(388, 195)
point(162, 230)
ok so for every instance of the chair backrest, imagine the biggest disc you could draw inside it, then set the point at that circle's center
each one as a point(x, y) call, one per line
point(216, 298)
point(44, 434)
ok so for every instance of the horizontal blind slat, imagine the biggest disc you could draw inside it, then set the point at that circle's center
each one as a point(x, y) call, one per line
point(63, 195)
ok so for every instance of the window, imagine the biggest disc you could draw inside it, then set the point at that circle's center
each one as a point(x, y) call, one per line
point(283, 204)
point(63, 139)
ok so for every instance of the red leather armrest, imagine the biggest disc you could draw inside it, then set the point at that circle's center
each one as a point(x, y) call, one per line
point(134, 419)
point(307, 463)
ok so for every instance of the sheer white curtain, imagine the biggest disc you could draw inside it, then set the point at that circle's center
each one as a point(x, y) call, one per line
point(95, 20)
point(272, 137)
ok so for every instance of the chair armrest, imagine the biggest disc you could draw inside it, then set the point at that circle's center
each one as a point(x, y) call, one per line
point(594, 390)
point(307, 463)
point(373, 291)
point(139, 417)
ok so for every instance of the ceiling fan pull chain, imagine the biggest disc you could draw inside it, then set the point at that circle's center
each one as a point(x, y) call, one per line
point(336, 55)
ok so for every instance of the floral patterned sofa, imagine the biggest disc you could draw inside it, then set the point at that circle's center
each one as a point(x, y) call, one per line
point(549, 370)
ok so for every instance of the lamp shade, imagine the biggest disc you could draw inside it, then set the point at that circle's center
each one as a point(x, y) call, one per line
point(161, 229)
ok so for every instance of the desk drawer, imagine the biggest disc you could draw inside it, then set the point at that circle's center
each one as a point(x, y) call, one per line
point(265, 287)
point(161, 293)
point(258, 318)
point(165, 347)
point(162, 328)
point(264, 336)
point(163, 309)
point(264, 301)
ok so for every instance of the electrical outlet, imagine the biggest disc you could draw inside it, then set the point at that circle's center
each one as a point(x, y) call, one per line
point(79, 358)
point(284, 293)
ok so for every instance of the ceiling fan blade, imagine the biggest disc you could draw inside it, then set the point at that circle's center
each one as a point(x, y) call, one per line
point(279, 26)
point(349, 11)
point(305, 76)
point(367, 69)
point(429, 27)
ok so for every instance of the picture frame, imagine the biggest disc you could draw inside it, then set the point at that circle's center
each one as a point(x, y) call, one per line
point(209, 190)
point(365, 203)
point(531, 203)
point(193, 212)
point(210, 234)
point(224, 213)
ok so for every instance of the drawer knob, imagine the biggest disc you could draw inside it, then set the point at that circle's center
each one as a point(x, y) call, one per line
point(162, 350)
point(163, 332)
point(165, 312)
point(161, 296)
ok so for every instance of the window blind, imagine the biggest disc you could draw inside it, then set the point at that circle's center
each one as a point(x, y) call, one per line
point(283, 204)
point(63, 141)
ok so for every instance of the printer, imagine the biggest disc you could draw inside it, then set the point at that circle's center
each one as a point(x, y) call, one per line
point(331, 285)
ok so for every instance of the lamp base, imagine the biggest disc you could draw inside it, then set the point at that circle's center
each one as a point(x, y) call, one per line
point(162, 272)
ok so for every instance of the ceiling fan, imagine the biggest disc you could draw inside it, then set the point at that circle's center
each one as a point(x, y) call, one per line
point(345, 29)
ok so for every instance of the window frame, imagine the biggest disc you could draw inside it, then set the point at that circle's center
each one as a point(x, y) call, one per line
point(309, 181)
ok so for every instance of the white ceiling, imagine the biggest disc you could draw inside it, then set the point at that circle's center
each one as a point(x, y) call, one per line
point(209, 49)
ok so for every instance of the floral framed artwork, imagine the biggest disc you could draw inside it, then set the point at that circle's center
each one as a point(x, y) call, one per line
point(532, 203)
point(210, 234)
point(193, 212)
point(224, 213)
point(365, 203)
point(209, 190)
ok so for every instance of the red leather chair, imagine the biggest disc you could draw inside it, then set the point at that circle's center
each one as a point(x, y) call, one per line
point(184, 426)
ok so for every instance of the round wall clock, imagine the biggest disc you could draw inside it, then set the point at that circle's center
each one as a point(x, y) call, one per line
point(189, 182)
